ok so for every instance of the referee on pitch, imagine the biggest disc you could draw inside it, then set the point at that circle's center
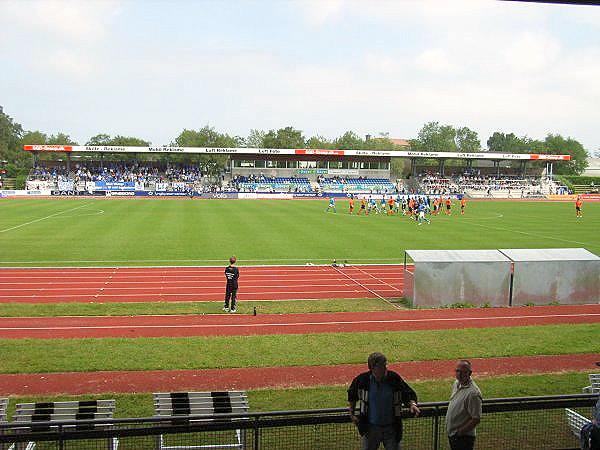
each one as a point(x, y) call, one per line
point(232, 274)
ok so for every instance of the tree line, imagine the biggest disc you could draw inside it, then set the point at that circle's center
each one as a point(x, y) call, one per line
point(433, 136)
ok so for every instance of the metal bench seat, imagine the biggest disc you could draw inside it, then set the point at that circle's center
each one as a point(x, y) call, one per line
point(29, 415)
point(178, 407)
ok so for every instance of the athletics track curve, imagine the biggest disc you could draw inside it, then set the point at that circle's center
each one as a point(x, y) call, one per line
point(243, 325)
point(170, 284)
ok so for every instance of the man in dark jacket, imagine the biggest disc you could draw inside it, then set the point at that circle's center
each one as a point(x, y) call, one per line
point(231, 275)
point(375, 399)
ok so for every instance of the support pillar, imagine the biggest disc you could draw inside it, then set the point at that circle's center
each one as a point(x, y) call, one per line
point(68, 162)
point(413, 167)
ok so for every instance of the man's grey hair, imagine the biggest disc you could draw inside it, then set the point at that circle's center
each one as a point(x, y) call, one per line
point(466, 363)
point(376, 359)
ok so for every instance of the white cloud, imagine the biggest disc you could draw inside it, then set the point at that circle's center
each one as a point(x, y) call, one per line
point(320, 11)
point(436, 61)
point(61, 18)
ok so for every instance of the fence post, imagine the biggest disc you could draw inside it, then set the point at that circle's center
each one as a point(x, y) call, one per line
point(256, 434)
point(436, 429)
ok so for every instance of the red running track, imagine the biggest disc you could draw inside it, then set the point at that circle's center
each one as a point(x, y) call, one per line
point(176, 284)
point(273, 377)
point(229, 325)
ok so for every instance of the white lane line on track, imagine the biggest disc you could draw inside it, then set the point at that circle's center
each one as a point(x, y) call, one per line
point(367, 289)
point(43, 218)
point(125, 279)
point(378, 280)
point(213, 294)
point(47, 287)
point(127, 261)
point(293, 324)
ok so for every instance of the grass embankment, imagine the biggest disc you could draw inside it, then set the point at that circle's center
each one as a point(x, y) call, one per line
point(84, 355)
point(168, 308)
point(140, 405)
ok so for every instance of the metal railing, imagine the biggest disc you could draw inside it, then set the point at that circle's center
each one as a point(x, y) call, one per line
point(507, 423)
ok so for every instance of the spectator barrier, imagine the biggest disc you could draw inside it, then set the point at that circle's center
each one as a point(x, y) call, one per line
point(524, 423)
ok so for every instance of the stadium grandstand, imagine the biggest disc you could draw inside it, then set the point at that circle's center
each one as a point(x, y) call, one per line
point(301, 172)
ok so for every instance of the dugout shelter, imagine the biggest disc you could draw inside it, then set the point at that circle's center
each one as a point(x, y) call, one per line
point(445, 277)
point(563, 275)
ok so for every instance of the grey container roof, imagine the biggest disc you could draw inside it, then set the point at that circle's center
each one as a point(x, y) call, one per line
point(456, 256)
point(550, 254)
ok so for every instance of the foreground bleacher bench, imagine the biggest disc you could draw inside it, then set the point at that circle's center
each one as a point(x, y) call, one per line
point(28, 414)
point(3, 408)
point(179, 406)
point(576, 421)
point(594, 387)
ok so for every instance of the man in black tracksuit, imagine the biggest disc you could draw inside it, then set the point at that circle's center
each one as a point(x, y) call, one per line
point(232, 274)
point(375, 402)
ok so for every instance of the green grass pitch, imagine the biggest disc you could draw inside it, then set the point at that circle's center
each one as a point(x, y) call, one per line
point(80, 232)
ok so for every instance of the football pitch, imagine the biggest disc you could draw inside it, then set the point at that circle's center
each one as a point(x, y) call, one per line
point(99, 232)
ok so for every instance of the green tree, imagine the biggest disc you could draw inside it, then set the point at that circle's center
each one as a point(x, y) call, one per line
point(557, 145)
point(507, 143)
point(287, 137)
point(99, 139)
point(255, 139)
point(349, 141)
point(467, 140)
point(434, 137)
point(319, 142)
point(205, 137)
point(34, 137)
point(10, 142)
point(60, 139)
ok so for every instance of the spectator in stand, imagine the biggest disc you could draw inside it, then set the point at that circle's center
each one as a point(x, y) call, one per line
point(464, 409)
point(375, 400)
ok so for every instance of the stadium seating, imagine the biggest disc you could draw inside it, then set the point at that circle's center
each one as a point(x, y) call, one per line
point(357, 185)
point(27, 414)
point(271, 184)
point(177, 407)
point(503, 186)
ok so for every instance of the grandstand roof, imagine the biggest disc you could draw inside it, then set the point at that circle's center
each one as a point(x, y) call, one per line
point(300, 152)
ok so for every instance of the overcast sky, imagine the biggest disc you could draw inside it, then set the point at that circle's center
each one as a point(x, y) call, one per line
point(150, 69)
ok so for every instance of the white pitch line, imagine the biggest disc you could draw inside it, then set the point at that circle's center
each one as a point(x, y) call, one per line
point(43, 218)
point(531, 234)
point(293, 324)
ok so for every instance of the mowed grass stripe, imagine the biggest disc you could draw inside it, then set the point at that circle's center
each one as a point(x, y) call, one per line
point(192, 232)
point(140, 405)
point(167, 308)
point(84, 355)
